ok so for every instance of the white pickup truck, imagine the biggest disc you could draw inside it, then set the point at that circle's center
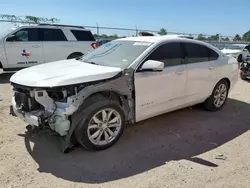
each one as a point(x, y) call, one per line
point(24, 46)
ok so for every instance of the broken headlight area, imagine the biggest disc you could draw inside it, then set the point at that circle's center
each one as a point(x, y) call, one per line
point(46, 106)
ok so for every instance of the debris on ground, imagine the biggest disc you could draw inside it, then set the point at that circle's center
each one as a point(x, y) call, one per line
point(174, 133)
point(221, 157)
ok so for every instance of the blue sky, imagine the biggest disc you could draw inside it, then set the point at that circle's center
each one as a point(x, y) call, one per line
point(227, 17)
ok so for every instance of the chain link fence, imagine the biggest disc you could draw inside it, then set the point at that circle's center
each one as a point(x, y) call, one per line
point(111, 33)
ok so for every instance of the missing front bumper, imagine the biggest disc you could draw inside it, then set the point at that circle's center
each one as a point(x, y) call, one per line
point(26, 117)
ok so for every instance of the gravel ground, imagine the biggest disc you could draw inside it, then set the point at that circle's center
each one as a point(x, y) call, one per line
point(187, 148)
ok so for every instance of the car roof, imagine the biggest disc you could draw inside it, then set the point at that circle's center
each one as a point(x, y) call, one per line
point(150, 38)
point(165, 38)
point(52, 26)
point(156, 39)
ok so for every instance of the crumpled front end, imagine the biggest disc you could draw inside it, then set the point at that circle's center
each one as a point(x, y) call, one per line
point(41, 107)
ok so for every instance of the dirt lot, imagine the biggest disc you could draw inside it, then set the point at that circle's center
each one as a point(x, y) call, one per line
point(188, 148)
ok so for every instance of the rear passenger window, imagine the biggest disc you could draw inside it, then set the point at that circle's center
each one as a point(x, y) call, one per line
point(196, 53)
point(83, 35)
point(170, 54)
point(53, 35)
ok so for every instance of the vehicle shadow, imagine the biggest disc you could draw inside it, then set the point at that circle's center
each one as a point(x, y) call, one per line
point(178, 135)
point(5, 77)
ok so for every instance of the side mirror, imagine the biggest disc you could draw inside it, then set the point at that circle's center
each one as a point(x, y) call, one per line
point(12, 38)
point(151, 65)
point(245, 50)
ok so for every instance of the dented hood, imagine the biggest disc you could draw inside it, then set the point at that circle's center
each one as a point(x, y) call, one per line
point(60, 73)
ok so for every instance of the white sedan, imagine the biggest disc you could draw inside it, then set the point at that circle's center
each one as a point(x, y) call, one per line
point(90, 100)
point(239, 51)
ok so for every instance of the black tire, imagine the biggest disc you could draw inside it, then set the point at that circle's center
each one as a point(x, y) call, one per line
point(209, 103)
point(74, 55)
point(240, 58)
point(90, 107)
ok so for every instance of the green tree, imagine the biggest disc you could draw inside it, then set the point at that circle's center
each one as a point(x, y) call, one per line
point(32, 19)
point(246, 36)
point(237, 37)
point(40, 19)
point(201, 37)
point(114, 36)
point(214, 37)
point(225, 39)
point(10, 17)
point(162, 32)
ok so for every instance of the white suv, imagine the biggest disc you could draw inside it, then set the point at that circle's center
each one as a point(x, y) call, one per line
point(29, 45)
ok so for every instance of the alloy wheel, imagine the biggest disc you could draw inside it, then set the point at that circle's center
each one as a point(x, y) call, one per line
point(220, 95)
point(104, 126)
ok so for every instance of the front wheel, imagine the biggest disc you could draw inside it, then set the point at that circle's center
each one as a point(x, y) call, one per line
point(218, 97)
point(103, 126)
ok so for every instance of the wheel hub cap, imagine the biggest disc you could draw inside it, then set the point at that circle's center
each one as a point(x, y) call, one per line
point(220, 95)
point(104, 126)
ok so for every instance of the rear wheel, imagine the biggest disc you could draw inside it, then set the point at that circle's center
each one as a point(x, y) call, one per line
point(103, 126)
point(75, 55)
point(219, 96)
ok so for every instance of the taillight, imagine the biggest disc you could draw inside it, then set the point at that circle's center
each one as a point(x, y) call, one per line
point(94, 45)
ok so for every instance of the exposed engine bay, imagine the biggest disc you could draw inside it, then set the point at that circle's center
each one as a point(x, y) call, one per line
point(47, 106)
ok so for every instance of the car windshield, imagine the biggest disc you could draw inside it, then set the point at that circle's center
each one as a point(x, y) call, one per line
point(116, 53)
point(234, 47)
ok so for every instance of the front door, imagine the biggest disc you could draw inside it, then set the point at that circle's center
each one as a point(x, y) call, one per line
point(24, 49)
point(159, 92)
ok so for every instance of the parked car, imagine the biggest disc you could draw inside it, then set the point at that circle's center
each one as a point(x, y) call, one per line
point(239, 51)
point(148, 33)
point(30, 45)
point(103, 41)
point(124, 81)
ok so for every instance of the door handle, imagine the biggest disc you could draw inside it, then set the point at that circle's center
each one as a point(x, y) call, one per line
point(211, 68)
point(179, 72)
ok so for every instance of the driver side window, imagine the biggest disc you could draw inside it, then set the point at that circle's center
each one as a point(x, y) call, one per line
point(170, 54)
point(25, 35)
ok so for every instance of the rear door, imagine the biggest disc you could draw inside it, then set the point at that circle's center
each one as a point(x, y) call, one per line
point(85, 41)
point(55, 44)
point(24, 49)
point(201, 71)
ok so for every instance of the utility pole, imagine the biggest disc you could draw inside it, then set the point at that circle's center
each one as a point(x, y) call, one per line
point(97, 29)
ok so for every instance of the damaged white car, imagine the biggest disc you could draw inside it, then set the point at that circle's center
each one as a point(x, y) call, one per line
point(91, 99)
